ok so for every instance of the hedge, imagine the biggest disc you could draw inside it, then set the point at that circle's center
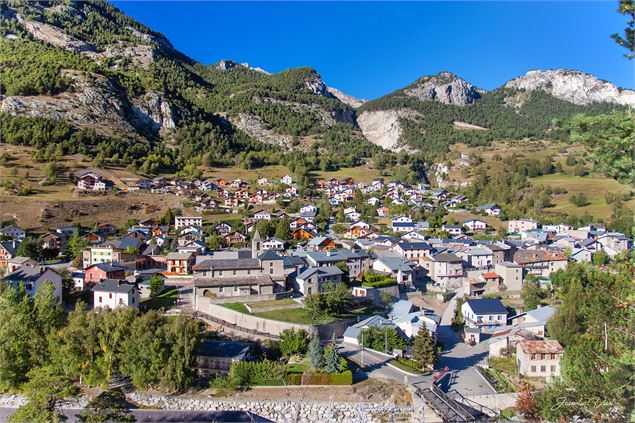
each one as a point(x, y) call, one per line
point(382, 283)
point(343, 378)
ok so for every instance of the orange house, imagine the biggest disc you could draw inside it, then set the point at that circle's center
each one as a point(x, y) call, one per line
point(302, 234)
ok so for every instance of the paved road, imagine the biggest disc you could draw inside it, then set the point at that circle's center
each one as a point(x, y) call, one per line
point(165, 416)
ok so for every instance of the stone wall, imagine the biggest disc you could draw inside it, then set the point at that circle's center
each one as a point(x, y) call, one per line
point(241, 298)
point(496, 402)
point(289, 411)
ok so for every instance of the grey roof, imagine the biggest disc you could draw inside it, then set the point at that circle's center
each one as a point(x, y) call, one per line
point(509, 264)
point(114, 285)
point(9, 246)
point(397, 263)
point(414, 246)
point(321, 271)
point(228, 264)
point(108, 267)
point(542, 314)
point(400, 308)
point(178, 256)
point(233, 281)
point(373, 321)
point(29, 273)
point(447, 257)
point(226, 349)
point(269, 255)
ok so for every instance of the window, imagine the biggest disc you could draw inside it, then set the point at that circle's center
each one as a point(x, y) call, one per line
point(234, 272)
point(110, 295)
point(271, 271)
point(133, 300)
point(100, 299)
point(543, 369)
point(553, 369)
point(220, 273)
point(533, 369)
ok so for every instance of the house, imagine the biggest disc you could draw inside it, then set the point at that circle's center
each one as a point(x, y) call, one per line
point(541, 262)
point(491, 209)
point(287, 180)
point(233, 239)
point(534, 321)
point(399, 268)
point(413, 250)
point(13, 232)
point(321, 243)
point(101, 271)
point(445, 270)
point(356, 231)
point(231, 286)
point(615, 243)
point(179, 263)
point(478, 257)
point(475, 225)
point(383, 211)
point(113, 293)
point(262, 215)
point(358, 262)
point(16, 262)
point(402, 224)
point(216, 356)
point(410, 321)
point(511, 275)
point(33, 277)
point(471, 336)
point(309, 208)
point(313, 279)
point(351, 334)
point(223, 228)
point(93, 182)
point(483, 312)
point(301, 233)
point(485, 283)
point(8, 250)
point(539, 358)
point(581, 255)
point(452, 230)
point(521, 225)
point(185, 221)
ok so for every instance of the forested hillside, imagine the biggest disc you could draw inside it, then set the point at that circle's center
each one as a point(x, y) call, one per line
point(90, 72)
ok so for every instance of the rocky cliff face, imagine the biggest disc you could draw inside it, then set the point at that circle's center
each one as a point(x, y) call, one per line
point(444, 87)
point(383, 127)
point(573, 86)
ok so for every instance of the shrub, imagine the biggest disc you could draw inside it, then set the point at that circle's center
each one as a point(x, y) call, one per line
point(342, 378)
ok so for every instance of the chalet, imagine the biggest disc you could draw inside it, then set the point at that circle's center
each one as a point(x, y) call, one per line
point(262, 215)
point(51, 241)
point(402, 270)
point(475, 225)
point(223, 228)
point(413, 250)
point(321, 243)
point(106, 229)
point(355, 231)
point(113, 293)
point(262, 181)
point(274, 243)
point(485, 283)
point(402, 224)
point(233, 239)
point(302, 233)
point(309, 208)
point(287, 180)
point(383, 211)
point(416, 235)
point(93, 182)
point(482, 312)
point(15, 263)
point(539, 358)
point(94, 238)
point(33, 277)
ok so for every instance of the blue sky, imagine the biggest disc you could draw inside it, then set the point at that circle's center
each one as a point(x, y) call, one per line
point(370, 49)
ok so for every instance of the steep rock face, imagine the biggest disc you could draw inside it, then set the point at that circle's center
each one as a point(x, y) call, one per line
point(96, 102)
point(256, 128)
point(317, 86)
point(382, 127)
point(345, 98)
point(573, 86)
point(444, 87)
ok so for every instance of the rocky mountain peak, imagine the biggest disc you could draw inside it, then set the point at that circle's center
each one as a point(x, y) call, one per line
point(345, 98)
point(444, 87)
point(573, 86)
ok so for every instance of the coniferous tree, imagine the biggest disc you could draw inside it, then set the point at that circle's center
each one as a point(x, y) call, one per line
point(315, 353)
point(332, 361)
point(423, 350)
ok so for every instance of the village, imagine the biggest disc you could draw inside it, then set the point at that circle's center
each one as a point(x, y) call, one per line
point(379, 274)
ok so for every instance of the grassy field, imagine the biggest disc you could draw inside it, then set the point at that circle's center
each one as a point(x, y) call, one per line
point(460, 216)
point(594, 187)
point(165, 300)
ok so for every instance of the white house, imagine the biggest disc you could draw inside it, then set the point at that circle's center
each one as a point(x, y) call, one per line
point(114, 293)
point(185, 221)
point(13, 232)
point(452, 230)
point(475, 225)
point(491, 209)
point(539, 358)
point(402, 224)
point(262, 215)
point(482, 312)
point(273, 244)
point(287, 180)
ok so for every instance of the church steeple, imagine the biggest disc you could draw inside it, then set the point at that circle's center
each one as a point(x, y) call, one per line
point(256, 244)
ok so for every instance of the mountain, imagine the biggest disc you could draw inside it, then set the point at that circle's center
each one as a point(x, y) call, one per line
point(89, 70)
point(438, 110)
point(573, 86)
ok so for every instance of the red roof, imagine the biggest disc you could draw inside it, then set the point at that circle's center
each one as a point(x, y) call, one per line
point(490, 275)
